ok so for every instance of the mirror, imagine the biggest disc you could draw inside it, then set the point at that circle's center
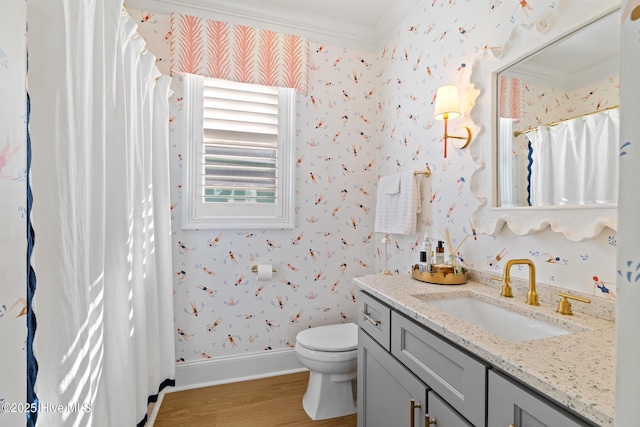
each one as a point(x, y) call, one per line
point(520, 92)
point(558, 125)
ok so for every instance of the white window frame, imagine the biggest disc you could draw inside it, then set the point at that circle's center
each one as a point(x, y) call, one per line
point(196, 215)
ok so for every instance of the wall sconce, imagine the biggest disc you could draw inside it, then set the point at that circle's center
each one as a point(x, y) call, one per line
point(448, 107)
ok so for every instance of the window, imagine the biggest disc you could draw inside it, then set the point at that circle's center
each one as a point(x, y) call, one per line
point(239, 168)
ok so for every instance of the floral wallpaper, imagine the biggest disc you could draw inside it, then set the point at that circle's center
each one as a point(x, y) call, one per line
point(13, 98)
point(365, 115)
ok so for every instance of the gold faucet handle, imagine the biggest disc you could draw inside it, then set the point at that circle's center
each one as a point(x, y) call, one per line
point(506, 289)
point(564, 306)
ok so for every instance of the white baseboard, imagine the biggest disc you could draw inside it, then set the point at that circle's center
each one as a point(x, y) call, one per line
point(231, 369)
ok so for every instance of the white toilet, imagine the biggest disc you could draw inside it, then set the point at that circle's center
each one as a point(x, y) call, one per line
point(330, 353)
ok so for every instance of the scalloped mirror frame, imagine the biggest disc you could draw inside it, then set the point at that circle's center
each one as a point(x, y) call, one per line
point(575, 223)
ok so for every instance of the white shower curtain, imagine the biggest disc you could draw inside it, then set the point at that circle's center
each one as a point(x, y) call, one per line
point(101, 215)
point(576, 162)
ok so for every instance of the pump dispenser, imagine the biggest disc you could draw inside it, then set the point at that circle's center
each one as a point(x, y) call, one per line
point(425, 254)
point(440, 252)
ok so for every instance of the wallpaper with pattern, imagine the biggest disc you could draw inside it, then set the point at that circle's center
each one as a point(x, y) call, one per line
point(221, 309)
point(365, 115)
point(435, 47)
point(13, 246)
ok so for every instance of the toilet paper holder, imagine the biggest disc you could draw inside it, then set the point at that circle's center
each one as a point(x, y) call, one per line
point(254, 269)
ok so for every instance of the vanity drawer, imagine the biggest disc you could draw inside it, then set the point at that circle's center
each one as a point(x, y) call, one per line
point(375, 318)
point(454, 375)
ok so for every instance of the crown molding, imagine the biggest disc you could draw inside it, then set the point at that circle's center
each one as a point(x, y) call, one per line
point(316, 27)
point(390, 22)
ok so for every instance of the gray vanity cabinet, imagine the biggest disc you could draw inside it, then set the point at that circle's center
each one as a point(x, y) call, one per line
point(388, 393)
point(511, 404)
point(443, 415)
point(386, 388)
point(454, 375)
point(400, 360)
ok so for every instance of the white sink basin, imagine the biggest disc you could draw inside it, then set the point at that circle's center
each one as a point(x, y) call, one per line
point(498, 320)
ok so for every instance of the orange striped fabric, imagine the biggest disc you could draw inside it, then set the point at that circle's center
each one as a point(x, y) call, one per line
point(237, 52)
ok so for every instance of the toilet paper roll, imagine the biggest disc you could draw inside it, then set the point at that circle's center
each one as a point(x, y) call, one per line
point(265, 272)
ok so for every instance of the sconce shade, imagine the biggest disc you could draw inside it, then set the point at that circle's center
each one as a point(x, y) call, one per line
point(447, 103)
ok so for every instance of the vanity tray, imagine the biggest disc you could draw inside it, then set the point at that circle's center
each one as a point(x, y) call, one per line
point(439, 278)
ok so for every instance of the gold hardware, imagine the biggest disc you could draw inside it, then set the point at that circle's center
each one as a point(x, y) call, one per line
point(254, 269)
point(428, 421)
point(426, 173)
point(414, 406)
point(564, 306)
point(532, 295)
point(522, 132)
point(506, 289)
point(368, 318)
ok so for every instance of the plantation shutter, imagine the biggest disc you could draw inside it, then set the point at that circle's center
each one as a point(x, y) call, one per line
point(240, 143)
point(239, 171)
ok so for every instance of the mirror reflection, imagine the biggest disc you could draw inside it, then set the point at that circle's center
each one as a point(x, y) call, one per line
point(558, 121)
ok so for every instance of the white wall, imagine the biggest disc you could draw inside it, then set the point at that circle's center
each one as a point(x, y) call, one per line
point(628, 315)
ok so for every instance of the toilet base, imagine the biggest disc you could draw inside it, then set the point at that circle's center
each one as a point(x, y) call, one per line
point(330, 396)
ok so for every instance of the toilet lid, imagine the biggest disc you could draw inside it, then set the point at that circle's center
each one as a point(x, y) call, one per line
point(341, 337)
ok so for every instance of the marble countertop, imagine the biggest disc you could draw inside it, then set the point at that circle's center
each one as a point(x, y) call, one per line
point(576, 370)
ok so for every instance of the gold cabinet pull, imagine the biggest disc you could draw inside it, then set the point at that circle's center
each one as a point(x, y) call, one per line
point(428, 421)
point(368, 318)
point(414, 406)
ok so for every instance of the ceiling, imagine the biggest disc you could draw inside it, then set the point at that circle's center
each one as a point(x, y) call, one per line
point(585, 57)
point(358, 24)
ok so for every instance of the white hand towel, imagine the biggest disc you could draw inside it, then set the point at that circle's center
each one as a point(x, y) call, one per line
point(397, 213)
point(389, 184)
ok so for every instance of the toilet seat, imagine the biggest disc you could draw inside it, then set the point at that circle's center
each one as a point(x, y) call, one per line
point(330, 338)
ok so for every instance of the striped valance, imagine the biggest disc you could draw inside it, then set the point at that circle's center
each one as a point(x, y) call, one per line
point(236, 52)
point(510, 97)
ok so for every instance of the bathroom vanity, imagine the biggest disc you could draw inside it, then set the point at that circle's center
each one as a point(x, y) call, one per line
point(421, 365)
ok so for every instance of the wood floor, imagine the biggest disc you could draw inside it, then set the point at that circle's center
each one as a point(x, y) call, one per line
point(275, 401)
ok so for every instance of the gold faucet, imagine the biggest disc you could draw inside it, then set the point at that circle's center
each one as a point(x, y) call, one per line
point(532, 295)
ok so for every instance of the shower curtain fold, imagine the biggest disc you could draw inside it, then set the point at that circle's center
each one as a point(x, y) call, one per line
point(101, 214)
point(575, 162)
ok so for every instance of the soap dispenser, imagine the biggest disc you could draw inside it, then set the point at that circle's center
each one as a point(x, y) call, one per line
point(425, 254)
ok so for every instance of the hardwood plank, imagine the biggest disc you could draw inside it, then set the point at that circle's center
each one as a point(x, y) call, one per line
point(274, 401)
